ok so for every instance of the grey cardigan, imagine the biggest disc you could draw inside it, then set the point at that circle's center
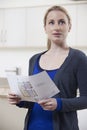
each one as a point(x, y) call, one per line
point(71, 75)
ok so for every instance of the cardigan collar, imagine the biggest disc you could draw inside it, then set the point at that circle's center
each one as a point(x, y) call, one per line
point(62, 67)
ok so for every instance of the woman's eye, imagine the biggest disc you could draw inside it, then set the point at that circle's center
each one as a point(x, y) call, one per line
point(61, 22)
point(51, 22)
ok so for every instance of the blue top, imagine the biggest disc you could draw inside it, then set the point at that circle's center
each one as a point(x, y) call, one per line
point(41, 119)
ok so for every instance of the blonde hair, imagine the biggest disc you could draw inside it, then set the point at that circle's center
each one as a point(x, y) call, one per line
point(55, 8)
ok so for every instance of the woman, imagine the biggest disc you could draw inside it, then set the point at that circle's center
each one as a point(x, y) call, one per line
point(67, 67)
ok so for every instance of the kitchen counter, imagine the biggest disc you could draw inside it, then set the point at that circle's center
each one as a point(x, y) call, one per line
point(4, 92)
point(4, 88)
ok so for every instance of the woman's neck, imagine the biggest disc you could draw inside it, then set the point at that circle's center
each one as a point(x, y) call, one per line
point(57, 48)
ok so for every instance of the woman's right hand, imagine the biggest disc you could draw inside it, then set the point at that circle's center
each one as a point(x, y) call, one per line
point(13, 99)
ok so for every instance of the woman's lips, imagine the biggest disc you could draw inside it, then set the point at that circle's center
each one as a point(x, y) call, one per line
point(57, 34)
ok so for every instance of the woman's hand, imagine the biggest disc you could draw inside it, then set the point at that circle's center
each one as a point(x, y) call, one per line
point(48, 104)
point(13, 99)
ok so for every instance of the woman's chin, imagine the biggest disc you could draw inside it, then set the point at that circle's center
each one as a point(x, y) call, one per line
point(58, 42)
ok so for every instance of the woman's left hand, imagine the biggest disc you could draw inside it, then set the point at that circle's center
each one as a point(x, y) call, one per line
point(48, 104)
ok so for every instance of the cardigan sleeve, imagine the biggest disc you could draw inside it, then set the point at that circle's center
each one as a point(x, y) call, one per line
point(59, 104)
point(78, 103)
point(25, 104)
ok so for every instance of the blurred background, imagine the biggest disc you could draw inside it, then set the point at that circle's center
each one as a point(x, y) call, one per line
point(21, 36)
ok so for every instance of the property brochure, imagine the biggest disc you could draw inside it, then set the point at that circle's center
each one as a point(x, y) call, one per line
point(33, 88)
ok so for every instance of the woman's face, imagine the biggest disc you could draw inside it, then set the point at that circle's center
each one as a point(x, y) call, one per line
point(57, 27)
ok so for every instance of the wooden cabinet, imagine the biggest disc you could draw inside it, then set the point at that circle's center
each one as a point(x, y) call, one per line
point(23, 27)
point(12, 27)
point(77, 36)
point(1, 26)
point(82, 25)
point(35, 28)
point(71, 39)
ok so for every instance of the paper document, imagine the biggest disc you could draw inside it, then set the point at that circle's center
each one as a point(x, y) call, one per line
point(33, 88)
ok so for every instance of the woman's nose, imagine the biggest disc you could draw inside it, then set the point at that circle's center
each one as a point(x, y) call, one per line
point(57, 27)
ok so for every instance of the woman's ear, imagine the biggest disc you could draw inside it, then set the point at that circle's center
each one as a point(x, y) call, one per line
point(69, 27)
point(45, 29)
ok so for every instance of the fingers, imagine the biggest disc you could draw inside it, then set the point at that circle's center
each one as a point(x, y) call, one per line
point(44, 101)
point(13, 102)
point(13, 99)
point(13, 96)
point(48, 108)
point(48, 104)
point(10, 95)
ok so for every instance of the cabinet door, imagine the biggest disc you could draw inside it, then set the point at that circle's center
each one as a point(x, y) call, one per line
point(82, 25)
point(14, 27)
point(36, 36)
point(1, 26)
point(71, 39)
